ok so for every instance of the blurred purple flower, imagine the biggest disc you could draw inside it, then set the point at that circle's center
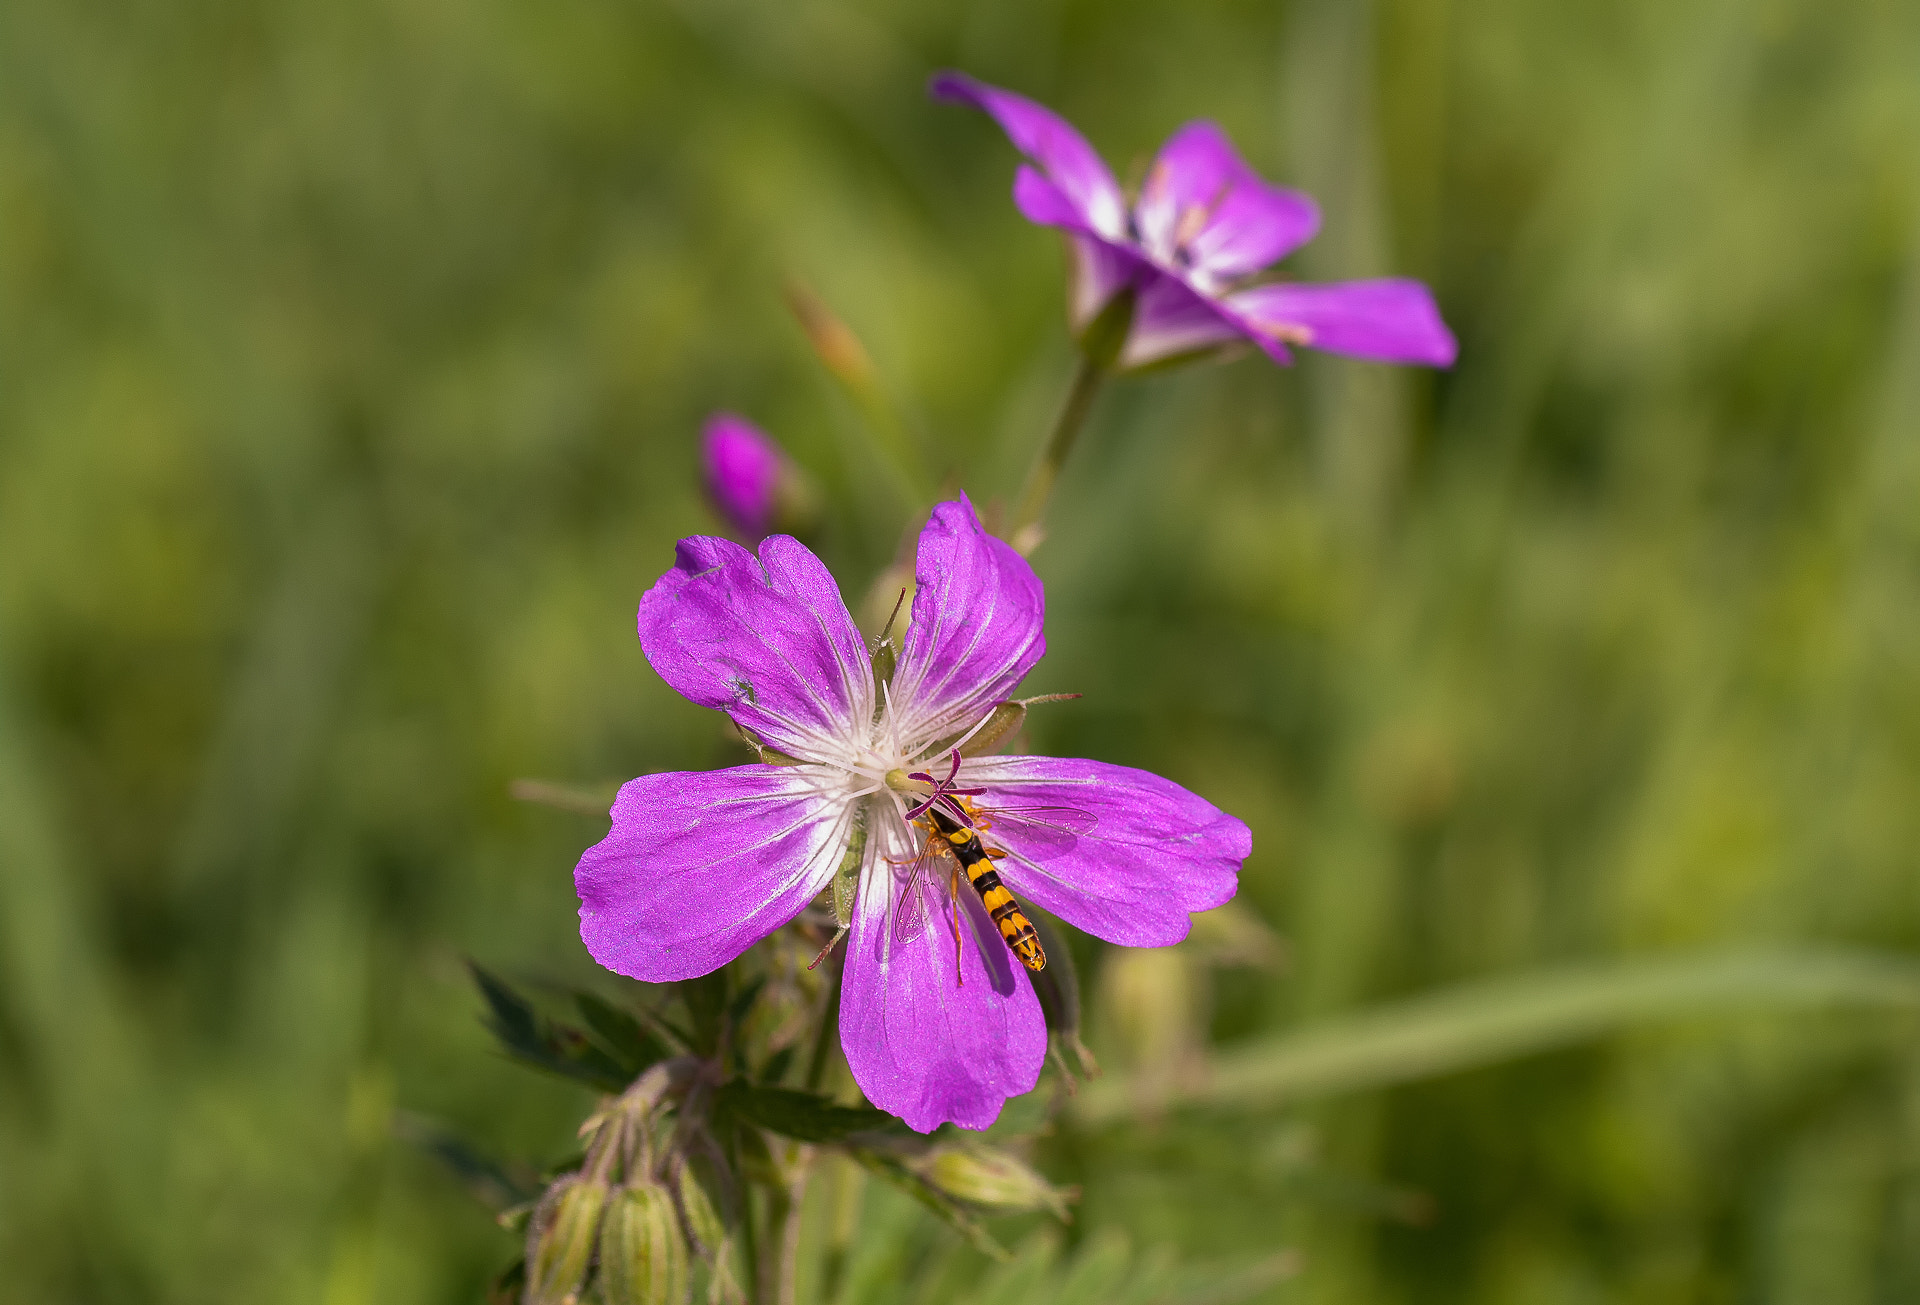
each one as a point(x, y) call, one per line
point(698, 867)
point(1203, 223)
point(742, 468)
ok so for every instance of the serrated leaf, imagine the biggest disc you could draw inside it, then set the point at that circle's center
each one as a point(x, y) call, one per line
point(533, 1039)
point(803, 1116)
point(622, 1034)
point(508, 1288)
point(743, 1000)
point(706, 1000)
point(496, 1185)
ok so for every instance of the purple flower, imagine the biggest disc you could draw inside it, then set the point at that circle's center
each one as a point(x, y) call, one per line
point(1201, 226)
point(938, 1023)
point(743, 470)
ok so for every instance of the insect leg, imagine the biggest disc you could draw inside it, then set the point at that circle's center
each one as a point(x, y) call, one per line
point(953, 896)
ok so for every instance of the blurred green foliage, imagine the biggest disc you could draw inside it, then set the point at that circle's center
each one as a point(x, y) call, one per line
point(351, 358)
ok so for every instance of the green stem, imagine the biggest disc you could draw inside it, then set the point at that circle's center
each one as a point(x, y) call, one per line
point(783, 1246)
point(749, 1243)
point(1087, 379)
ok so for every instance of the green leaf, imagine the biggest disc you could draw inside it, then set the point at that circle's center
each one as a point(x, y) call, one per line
point(533, 1039)
point(706, 999)
point(1488, 1021)
point(630, 1043)
point(496, 1185)
point(803, 1116)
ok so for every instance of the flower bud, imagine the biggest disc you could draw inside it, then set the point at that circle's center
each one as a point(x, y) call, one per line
point(560, 1240)
point(643, 1258)
point(755, 486)
point(992, 1179)
point(704, 1226)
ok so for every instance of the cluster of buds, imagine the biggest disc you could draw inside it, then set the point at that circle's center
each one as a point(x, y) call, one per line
point(691, 1176)
point(634, 1225)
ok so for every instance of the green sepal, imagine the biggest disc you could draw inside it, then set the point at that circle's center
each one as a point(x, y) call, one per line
point(643, 1258)
point(1057, 986)
point(1226, 352)
point(1105, 337)
point(846, 879)
point(561, 1239)
point(762, 753)
point(992, 1179)
point(1002, 723)
point(886, 659)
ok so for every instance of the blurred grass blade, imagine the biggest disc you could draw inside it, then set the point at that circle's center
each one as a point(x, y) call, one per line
point(1485, 1022)
point(849, 363)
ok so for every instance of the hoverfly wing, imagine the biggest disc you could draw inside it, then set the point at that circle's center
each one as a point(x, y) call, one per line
point(910, 907)
point(1039, 832)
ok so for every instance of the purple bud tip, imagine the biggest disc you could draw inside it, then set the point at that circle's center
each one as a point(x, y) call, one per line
point(742, 468)
point(954, 87)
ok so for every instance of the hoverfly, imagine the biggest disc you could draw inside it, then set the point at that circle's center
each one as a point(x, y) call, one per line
point(952, 822)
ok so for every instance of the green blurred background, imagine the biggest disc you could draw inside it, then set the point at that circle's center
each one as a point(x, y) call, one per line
point(351, 361)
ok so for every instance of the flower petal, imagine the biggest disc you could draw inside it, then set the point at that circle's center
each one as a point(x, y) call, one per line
point(1172, 318)
point(700, 866)
point(1156, 854)
point(767, 641)
point(1101, 269)
point(920, 1045)
point(1045, 137)
point(1390, 320)
point(1202, 208)
point(977, 627)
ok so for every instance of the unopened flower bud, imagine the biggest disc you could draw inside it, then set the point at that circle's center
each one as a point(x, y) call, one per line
point(992, 1179)
point(704, 1226)
point(755, 486)
point(643, 1257)
point(560, 1240)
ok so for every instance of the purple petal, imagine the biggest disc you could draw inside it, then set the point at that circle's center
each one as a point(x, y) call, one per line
point(742, 469)
point(1172, 318)
point(1155, 854)
point(977, 618)
point(767, 641)
point(1042, 202)
point(700, 866)
point(1080, 175)
point(1202, 208)
point(920, 1045)
point(1389, 320)
point(1100, 270)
